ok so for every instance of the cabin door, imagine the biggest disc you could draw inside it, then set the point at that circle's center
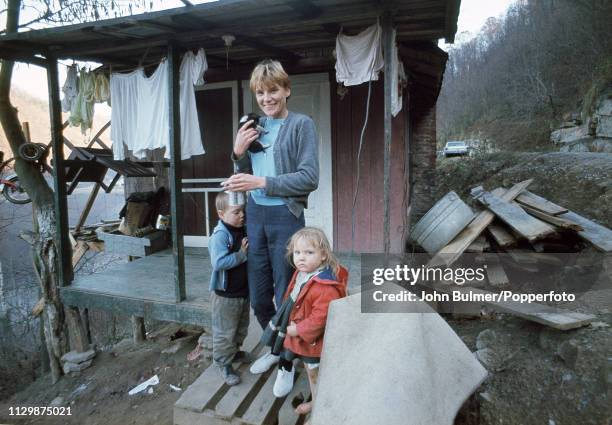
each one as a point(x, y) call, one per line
point(217, 105)
point(310, 96)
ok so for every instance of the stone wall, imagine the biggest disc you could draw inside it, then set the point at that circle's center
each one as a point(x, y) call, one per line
point(593, 134)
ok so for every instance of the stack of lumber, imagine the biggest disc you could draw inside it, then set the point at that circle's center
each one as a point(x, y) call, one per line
point(525, 227)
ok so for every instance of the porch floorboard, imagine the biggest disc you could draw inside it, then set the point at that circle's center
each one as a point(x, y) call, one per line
point(145, 287)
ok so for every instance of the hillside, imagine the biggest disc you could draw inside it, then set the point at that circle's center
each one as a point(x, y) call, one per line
point(544, 64)
point(36, 112)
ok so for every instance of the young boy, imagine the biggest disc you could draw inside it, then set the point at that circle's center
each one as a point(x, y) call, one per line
point(229, 288)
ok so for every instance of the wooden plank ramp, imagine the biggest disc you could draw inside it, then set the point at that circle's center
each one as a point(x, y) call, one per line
point(208, 401)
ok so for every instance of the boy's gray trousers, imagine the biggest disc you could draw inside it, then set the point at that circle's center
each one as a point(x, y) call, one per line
point(230, 324)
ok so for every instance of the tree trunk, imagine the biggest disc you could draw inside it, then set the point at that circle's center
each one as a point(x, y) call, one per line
point(45, 250)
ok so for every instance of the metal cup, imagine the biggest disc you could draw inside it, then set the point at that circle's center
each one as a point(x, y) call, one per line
point(236, 198)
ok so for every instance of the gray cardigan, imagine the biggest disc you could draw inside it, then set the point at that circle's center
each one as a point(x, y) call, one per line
point(296, 159)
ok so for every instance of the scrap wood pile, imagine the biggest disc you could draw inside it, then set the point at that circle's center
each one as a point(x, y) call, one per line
point(525, 228)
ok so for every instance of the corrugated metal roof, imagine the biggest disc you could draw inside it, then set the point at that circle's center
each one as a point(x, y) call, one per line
point(285, 29)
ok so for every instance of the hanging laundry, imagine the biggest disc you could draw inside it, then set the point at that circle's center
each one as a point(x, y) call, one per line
point(70, 88)
point(101, 89)
point(191, 73)
point(139, 115)
point(81, 112)
point(398, 78)
point(124, 113)
point(359, 57)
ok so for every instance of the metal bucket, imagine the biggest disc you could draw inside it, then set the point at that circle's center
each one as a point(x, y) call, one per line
point(442, 223)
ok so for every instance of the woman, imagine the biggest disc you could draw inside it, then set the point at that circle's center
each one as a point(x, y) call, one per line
point(279, 179)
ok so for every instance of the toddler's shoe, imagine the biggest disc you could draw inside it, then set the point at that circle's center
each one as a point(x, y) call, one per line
point(283, 383)
point(230, 376)
point(264, 363)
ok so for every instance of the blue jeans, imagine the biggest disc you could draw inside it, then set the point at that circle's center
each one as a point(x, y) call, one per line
point(269, 229)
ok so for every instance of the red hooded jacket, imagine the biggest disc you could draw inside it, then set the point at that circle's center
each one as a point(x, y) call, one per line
point(310, 310)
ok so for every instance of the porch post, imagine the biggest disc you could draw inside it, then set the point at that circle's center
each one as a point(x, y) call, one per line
point(65, 273)
point(176, 198)
point(387, 48)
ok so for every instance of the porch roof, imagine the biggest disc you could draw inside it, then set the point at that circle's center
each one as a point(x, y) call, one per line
point(285, 29)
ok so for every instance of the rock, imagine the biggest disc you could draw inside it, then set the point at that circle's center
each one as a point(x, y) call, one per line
point(599, 325)
point(76, 357)
point(486, 396)
point(568, 351)
point(494, 360)
point(57, 402)
point(76, 367)
point(173, 349)
point(486, 339)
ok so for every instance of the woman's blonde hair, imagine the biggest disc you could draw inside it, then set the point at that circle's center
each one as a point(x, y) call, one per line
point(318, 239)
point(269, 73)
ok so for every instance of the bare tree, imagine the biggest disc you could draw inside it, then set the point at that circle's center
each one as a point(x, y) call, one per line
point(521, 73)
point(44, 244)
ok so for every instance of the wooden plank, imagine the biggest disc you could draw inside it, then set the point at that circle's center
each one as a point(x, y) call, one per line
point(65, 273)
point(526, 257)
point(560, 222)
point(262, 405)
point(534, 201)
point(598, 235)
point(388, 42)
point(176, 198)
point(80, 250)
point(495, 271)
point(479, 245)
point(203, 391)
point(87, 208)
point(301, 393)
point(451, 252)
point(236, 396)
point(526, 225)
point(545, 315)
point(96, 246)
point(503, 238)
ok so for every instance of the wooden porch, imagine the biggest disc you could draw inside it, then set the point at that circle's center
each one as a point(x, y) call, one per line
point(145, 287)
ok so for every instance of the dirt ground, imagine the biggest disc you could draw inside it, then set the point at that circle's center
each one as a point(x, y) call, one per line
point(99, 395)
point(539, 376)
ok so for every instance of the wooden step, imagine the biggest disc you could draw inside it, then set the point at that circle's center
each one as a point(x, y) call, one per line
point(209, 401)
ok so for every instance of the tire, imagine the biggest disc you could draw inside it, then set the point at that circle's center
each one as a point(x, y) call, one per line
point(31, 152)
point(15, 193)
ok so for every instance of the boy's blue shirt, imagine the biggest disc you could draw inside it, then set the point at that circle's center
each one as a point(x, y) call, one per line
point(221, 257)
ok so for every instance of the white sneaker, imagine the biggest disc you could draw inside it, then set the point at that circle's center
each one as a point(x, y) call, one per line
point(283, 383)
point(263, 363)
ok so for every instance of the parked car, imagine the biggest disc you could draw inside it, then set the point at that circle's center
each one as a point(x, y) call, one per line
point(455, 148)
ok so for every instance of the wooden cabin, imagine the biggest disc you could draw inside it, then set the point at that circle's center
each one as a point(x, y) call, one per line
point(397, 164)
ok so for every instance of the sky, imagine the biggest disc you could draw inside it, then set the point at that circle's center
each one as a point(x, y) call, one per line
point(472, 16)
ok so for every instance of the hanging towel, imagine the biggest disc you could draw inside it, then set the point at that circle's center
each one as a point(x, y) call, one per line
point(70, 88)
point(359, 57)
point(81, 112)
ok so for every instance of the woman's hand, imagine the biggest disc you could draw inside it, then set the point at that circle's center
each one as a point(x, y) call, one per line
point(242, 182)
point(244, 138)
point(292, 329)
